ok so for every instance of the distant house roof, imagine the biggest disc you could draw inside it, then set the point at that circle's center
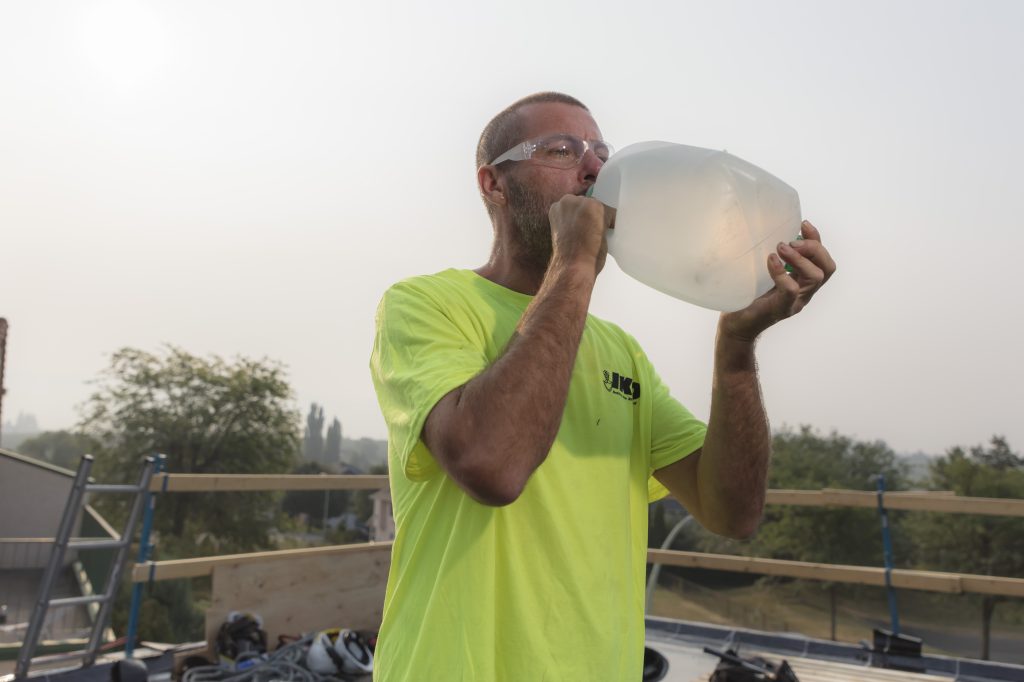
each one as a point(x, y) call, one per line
point(25, 459)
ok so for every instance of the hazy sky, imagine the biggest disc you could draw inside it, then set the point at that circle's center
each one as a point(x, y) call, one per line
point(248, 178)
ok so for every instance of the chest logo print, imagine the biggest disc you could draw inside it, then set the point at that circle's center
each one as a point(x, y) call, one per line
point(622, 386)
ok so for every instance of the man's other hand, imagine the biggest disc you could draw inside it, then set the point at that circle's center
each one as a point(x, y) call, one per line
point(812, 266)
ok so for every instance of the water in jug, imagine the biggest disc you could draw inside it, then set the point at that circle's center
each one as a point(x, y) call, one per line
point(697, 224)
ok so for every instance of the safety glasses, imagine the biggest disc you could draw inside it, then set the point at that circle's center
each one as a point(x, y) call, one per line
point(558, 151)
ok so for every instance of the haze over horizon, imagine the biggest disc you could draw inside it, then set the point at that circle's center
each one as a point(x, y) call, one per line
point(249, 177)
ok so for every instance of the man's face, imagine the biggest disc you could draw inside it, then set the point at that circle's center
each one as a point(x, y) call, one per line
point(531, 188)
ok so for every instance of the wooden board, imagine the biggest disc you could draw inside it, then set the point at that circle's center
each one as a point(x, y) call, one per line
point(302, 594)
point(816, 670)
point(919, 500)
point(930, 501)
point(933, 581)
point(173, 569)
point(211, 483)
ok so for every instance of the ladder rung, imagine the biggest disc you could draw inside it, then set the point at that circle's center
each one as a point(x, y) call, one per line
point(77, 601)
point(111, 488)
point(96, 544)
point(56, 658)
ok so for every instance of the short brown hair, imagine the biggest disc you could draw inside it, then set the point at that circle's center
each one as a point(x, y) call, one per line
point(506, 128)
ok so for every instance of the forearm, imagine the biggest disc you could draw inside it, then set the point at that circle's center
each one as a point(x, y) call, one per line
point(506, 418)
point(734, 460)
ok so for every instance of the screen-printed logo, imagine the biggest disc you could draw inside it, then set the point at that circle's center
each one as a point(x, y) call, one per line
point(622, 386)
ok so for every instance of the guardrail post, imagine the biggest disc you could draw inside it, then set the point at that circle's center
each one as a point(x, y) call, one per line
point(887, 549)
point(145, 551)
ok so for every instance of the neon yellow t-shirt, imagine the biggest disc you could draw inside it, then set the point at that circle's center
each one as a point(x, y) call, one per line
point(550, 587)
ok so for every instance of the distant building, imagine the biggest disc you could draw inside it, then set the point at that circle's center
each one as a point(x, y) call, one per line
point(382, 522)
point(33, 495)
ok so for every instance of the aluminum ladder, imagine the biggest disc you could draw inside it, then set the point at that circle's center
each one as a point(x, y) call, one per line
point(61, 543)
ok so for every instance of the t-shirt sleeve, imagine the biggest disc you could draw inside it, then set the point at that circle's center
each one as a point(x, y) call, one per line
point(675, 433)
point(419, 355)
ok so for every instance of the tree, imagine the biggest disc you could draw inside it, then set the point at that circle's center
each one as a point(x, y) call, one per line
point(311, 502)
point(313, 439)
point(806, 460)
point(206, 415)
point(61, 448)
point(332, 447)
point(987, 545)
point(360, 503)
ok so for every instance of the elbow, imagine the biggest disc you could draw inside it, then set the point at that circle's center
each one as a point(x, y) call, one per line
point(740, 525)
point(743, 530)
point(490, 487)
point(494, 496)
point(486, 483)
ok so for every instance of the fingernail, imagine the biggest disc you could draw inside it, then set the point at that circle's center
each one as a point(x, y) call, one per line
point(796, 243)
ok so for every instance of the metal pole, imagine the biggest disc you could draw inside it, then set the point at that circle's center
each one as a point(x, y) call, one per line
point(887, 548)
point(3, 361)
point(53, 566)
point(327, 494)
point(145, 552)
point(652, 579)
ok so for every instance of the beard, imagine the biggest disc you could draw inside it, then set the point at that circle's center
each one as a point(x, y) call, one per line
point(530, 218)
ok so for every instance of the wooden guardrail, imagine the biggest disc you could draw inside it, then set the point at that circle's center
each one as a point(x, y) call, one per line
point(173, 569)
point(930, 501)
point(216, 483)
point(928, 581)
point(924, 500)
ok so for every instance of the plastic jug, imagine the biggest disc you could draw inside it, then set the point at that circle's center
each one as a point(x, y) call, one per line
point(697, 224)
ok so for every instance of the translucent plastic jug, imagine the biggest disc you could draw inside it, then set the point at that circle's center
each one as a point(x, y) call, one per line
point(697, 224)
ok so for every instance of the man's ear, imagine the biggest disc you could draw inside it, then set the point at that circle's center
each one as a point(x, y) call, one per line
point(491, 187)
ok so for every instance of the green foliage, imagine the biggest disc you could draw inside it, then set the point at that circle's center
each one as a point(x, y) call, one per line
point(313, 438)
point(364, 453)
point(311, 502)
point(61, 448)
point(168, 612)
point(332, 446)
point(988, 545)
point(806, 460)
point(360, 503)
point(207, 416)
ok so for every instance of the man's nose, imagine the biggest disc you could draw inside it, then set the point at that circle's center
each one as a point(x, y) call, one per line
point(590, 166)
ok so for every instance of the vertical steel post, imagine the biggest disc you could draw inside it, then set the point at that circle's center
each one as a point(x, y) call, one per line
point(145, 553)
point(887, 547)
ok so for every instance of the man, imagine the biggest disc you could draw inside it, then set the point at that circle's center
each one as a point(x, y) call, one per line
point(526, 438)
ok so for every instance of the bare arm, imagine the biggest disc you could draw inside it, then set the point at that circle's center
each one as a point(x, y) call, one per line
point(723, 484)
point(491, 433)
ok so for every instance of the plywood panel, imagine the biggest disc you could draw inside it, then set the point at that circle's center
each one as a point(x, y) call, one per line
point(302, 594)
